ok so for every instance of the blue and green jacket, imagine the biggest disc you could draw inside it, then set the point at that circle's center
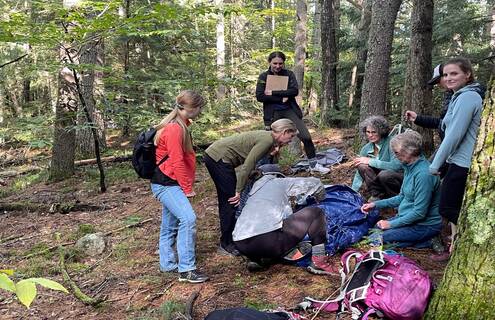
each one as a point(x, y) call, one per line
point(418, 199)
point(386, 159)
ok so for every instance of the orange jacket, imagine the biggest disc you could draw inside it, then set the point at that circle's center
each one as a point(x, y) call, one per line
point(180, 165)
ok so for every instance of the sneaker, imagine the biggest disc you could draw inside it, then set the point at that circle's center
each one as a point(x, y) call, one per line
point(318, 168)
point(192, 276)
point(230, 250)
point(174, 270)
point(322, 265)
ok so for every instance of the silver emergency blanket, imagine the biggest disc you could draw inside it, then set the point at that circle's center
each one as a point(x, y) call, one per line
point(269, 203)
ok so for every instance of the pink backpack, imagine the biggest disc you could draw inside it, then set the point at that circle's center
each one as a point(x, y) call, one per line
point(389, 285)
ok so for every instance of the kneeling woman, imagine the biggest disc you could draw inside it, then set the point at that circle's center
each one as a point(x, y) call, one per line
point(274, 231)
point(417, 220)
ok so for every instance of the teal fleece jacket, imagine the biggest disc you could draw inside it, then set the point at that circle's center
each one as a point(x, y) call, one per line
point(385, 161)
point(461, 124)
point(418, 198)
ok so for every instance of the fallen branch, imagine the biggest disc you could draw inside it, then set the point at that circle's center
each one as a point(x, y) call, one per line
point(75, 289)
point(190, 305)
point(128, 226)
point(14, 173)
point(86, 162)
point(47, 207)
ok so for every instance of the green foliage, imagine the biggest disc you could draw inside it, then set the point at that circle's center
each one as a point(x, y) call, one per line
point(25, 290)
point(258, 304)
point(172, 309)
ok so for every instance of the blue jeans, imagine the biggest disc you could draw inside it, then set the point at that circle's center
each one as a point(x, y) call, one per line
point(178, 223)
point(418, 236)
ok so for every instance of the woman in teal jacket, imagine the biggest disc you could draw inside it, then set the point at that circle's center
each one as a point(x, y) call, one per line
point(417, 220)
point(376, 165)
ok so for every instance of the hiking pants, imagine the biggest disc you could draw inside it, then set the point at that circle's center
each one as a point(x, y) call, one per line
point(178, 225)
point(304, 135)
point(278, 243)
point(418, 236)
point(382, 184)
point(223, 175)
point(452, 192)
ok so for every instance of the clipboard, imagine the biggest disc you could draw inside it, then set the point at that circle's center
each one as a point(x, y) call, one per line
point(276, 83)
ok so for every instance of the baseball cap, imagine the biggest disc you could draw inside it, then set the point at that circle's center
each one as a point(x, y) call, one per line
point(437, 74)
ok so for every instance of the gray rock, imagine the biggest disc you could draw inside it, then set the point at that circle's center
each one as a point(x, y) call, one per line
point(92, 244)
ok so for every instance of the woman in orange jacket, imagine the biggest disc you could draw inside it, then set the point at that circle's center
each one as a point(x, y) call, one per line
point(172, 184)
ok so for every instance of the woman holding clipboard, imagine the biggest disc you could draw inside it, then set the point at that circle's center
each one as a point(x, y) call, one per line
point(277, 89)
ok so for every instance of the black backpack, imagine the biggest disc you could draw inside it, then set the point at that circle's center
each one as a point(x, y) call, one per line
point(144, 154)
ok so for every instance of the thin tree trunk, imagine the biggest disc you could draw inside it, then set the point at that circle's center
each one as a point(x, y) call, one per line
point(316, 41)
point(220, 50)
point(417, 94)
point(272, 6)
point(329, 99)
point(467, 289)
point(376, 76)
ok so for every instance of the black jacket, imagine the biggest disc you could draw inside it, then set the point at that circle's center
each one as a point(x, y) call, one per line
point(276, 98)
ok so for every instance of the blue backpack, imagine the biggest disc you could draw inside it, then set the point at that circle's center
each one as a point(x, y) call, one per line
point(144, 154)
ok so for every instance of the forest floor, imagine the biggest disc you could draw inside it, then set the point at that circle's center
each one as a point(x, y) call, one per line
point(126, 275)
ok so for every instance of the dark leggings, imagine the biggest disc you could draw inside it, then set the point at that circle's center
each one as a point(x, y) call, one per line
point(277, 243)
point(304, 135)
point(452, 192)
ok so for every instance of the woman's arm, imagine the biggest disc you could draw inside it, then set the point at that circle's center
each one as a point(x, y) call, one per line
point(175, 150)
point(257, 152)
point(260, 91)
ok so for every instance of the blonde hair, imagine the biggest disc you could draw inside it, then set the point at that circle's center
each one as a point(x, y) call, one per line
point(283, 125)
point(187, 99)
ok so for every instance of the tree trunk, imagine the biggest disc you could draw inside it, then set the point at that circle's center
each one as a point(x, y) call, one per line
point(362, 52)
point(329, 99)
point(375, 84)
point(85, 146)
point(492, 35)
point(316, 41)
point(417, 94)
point(221, 54)
point(467, 289)
point(272, 6)
point(124, 13)
point(300, 42)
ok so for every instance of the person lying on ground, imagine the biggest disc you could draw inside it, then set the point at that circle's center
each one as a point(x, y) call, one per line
point(417, 220)
point(242, 150)
point(267, 235)
point(376, 165)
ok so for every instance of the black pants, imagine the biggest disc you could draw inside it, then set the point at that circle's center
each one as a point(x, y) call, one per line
point(277, 243)
point(223, 175)
point(304, 135)
point(382, 184)
point(452, 192)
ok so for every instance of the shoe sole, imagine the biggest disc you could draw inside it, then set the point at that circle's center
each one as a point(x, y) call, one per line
point(193, 281)
point(320, 272)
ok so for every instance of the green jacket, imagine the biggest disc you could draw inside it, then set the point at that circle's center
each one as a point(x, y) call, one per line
point(418, 198)
point(244, 149)
point(385, 161)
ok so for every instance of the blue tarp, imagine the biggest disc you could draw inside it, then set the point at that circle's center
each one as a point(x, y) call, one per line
point(346, 224)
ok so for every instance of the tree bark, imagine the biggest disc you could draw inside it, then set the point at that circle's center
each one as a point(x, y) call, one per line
point(301, 41)
point(220, 53)
point(417, 94)
point(376, 75)
point(316, 41)
point(467, 289)
point(329, 100)
point(362, 53)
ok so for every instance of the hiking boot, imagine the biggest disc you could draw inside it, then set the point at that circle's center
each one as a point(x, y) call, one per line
point(192, 276)
point(322, 265)
point(230, 250)
point(254, 266)
point(318, 168)
point(440, 257)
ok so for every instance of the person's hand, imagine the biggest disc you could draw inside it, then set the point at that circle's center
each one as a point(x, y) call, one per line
point(235, 199)
point(190, 194)
point(268, 92)
point(285, 99)
point(410, 116)
point(367, 207)
point(361, 160)
point(383, 224)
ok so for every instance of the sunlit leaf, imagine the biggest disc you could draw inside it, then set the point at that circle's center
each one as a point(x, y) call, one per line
point(50, 284)
point(6, 283)
point(26, 292)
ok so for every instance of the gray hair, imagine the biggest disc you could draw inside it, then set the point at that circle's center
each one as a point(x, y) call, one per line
point(379, 123)
point(410, 142)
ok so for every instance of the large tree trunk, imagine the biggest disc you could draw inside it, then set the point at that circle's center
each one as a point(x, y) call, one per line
point(376, 76)
point(417, 94)
point(329, 100)
point(467, 290)
point(362, 53)
point(221, 55)
point(316, 42)
point(85, 146)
